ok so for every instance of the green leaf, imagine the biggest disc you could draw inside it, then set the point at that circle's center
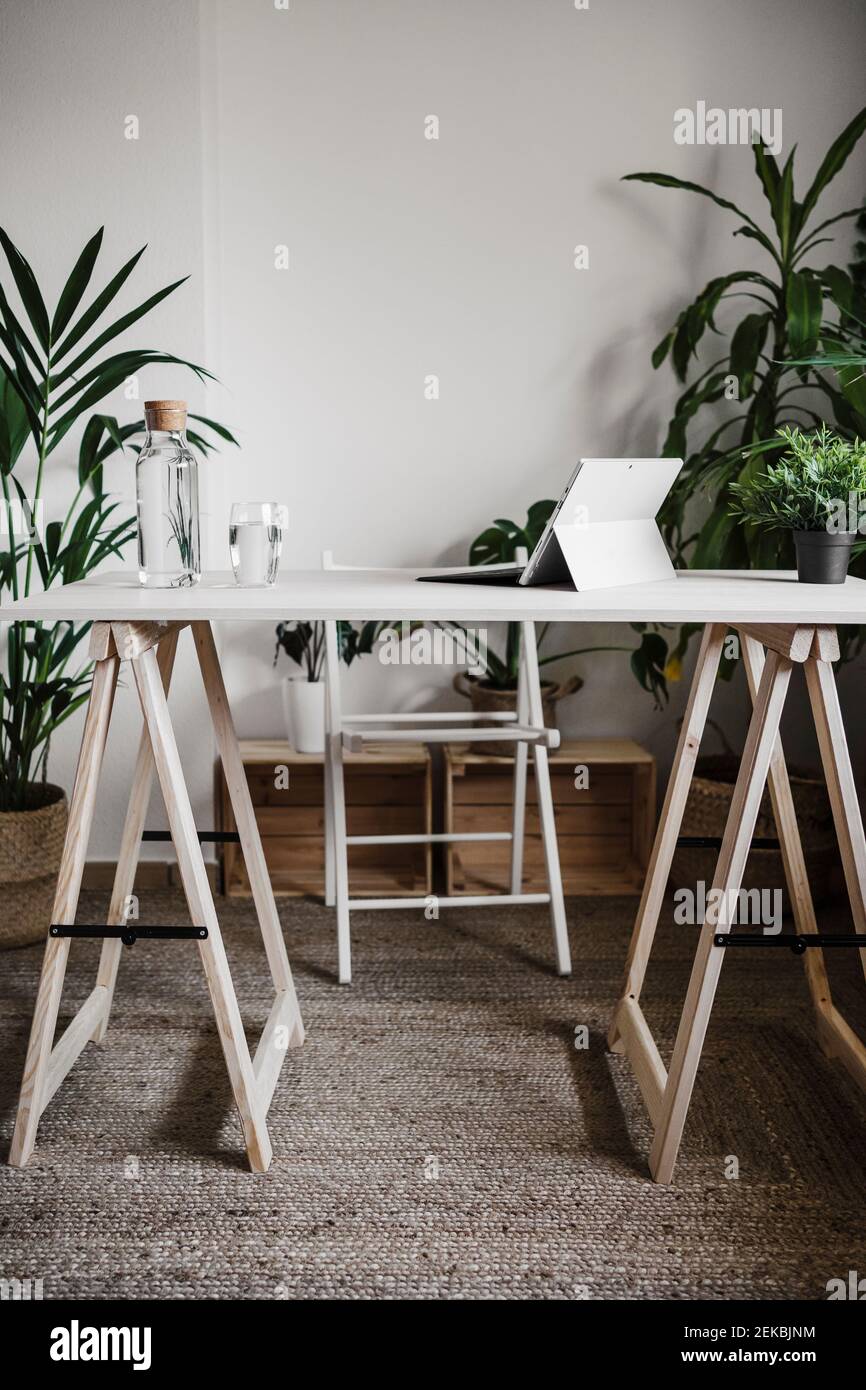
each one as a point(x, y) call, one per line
point(648, 662)
point(814, 240)
point(132, 359)
point(788, 212)
point(14, 424)
point(712, 389)
point(31, 295)
point(104, 378)
point(99, 305)
point(843, 292)
point(768, 172)
point(755, 234)
point(17, 332)
point(124, 433)
point(804, 304)
point(711, 551)
point(853, 383)
point(75, 286)
point(217, 428)
point(199, 442)
point(95, 449)
point(844, 410)
point(536, 519)
point(661, 350)
point(810, 246)
point(59, 704)
point(113, 431)
point(668, 181)
point(126, 321)
point(495, 545)
point(21, 382)
point(693, 322)
point(834, 160)
point(746, 346)
point(100, 388)
point(52, 540)
point(88, 471)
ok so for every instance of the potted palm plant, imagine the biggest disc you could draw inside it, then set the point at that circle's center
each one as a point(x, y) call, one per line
point(304, 695)
point(814, 492)
point(49, 383)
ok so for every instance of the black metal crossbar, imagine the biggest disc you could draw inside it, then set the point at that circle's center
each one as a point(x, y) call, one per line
point(130, 933)
point(206, 837)
point(794, 941)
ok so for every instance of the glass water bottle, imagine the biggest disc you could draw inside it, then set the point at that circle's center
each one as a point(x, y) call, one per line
point(166, 487)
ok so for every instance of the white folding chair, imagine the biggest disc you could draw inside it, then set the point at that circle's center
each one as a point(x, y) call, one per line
point(525, 727)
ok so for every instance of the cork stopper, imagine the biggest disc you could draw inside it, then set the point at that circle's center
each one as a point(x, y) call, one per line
point(165, 415)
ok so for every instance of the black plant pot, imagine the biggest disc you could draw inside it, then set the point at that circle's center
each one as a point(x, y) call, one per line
point(822, 556)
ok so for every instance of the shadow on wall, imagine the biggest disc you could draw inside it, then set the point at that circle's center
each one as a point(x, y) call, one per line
point(636, 424)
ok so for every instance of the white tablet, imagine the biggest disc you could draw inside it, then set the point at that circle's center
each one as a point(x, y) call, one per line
point(603, 531)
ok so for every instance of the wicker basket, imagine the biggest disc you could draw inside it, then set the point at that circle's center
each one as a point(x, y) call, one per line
point(31, 844)
point(492, 699)
point(707, 807)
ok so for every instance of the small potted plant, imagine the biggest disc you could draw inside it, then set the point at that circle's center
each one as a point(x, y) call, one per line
point(304, 695)
point(813, 491)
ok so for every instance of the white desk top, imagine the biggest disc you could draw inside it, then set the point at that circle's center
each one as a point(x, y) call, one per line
point(696, 596)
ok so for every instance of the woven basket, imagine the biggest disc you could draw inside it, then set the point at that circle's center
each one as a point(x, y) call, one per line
point(31, 844)
point(491, 698)
point(707, 807)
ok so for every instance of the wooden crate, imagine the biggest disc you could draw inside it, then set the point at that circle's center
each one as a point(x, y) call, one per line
point(604, 830)
point(388, 792)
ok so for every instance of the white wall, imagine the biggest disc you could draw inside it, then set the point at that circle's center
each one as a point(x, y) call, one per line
point(408, 257)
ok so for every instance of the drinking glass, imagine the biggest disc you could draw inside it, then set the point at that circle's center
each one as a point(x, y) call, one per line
point(255, 541)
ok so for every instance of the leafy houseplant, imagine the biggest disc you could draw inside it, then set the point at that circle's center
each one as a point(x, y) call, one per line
point(304, 696)
point(53, 373)
point(845, 351)
point(814, 491)
point(766, 367)
point(495, 688)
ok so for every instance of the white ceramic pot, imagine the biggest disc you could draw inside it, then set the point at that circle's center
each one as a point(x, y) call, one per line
point(304, 706)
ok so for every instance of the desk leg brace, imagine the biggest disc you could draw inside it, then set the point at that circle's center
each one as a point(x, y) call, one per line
point(667, 1093)
point(253, 1080)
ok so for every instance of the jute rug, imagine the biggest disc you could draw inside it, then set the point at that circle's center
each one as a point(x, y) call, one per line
point(440, 1135)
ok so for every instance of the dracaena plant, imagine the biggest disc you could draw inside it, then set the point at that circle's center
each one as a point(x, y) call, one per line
point(772, 366)
point(845, 350)
point(54, 372)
